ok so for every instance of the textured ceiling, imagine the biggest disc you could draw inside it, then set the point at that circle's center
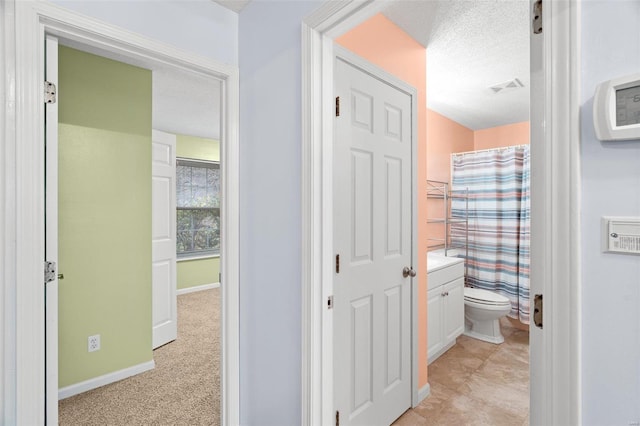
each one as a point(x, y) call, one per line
point(186, 103)
point(235, 5)
point(471, 47)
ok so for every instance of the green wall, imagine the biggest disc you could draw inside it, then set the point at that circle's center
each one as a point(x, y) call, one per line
point(197, 148)
point(104, 215)
point(193, 273)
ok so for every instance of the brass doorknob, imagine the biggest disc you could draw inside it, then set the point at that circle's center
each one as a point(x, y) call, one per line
point(408, 272)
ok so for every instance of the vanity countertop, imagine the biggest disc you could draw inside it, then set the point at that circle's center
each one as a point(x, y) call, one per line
point(437, 261)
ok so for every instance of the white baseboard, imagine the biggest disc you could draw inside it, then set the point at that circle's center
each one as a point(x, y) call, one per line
point(424, 392)
point(106, 379)
point(197, 288)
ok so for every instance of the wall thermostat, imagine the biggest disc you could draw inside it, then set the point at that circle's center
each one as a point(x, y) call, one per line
point(616, 109)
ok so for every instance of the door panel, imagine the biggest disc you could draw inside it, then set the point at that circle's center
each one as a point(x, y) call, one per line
point(362, 106)
point(393, 122)
point(362, 380)
point(393, 219)
point(362, 210)
point(162, 216)
point(163, 225)
point(372, 224)
point(393, 336)
point(162, 302)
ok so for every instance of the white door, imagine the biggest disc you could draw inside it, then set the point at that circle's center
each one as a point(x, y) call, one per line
point(373, 237)
point(163, 225)
point(51, 235)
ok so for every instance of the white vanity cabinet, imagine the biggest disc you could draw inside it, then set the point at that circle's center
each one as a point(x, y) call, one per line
point(445, 304)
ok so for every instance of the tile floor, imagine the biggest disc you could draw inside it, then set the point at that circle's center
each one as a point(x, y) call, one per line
point(478, 383)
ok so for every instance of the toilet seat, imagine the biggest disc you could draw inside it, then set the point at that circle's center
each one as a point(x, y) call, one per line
point(485, 297)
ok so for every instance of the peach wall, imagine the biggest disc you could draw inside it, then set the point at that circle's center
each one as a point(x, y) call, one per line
point(381, 42)
point(497, 137)
point(444, 137)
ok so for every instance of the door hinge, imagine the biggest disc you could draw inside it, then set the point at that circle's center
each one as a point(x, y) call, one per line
point(337, 263)
point(49, 272)
point(49, 93)
point(337, 418)
point(537, 310)
point(337, 106)
point(330, 302)
point(537, 17)
point(220, 278)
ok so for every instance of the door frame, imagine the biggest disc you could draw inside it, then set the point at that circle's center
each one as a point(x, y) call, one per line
point(23, 215)
point(340, 53)
point(555, 256)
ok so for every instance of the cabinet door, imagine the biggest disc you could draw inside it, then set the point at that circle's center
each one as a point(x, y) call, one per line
point(453, 308)
point(435, 337)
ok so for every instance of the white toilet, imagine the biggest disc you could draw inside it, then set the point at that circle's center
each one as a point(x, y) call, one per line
point(482, 312)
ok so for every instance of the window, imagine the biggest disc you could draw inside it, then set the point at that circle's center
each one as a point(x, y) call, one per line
point(198, 208)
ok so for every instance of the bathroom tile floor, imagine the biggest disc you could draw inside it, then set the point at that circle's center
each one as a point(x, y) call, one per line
point(478, 383)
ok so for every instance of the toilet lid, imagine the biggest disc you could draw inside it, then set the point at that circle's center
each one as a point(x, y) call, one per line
point(486, 297)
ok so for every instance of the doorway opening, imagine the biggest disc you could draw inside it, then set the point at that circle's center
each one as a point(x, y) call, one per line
point(36, 21)
point(322, 28)
point(119, 186)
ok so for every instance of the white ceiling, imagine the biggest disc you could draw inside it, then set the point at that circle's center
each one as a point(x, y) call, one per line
point(235, 5)
point(471, 46)
point(186, 103)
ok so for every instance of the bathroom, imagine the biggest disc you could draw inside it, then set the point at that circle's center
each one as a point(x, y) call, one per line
point(476, 101)
point(478, 214)
point(478, 354)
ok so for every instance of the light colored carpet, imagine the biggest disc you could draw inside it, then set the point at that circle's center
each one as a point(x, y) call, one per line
point(183, 389)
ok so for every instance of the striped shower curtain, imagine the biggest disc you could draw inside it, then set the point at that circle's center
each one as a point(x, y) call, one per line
point(498, 211)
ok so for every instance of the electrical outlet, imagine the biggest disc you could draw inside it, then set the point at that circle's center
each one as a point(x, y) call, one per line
point(94, 343)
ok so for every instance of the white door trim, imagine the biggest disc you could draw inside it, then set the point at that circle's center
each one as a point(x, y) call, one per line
point(555, 222)
point(24, 340)
point(555, 259)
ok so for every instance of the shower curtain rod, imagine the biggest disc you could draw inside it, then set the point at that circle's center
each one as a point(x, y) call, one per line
point(489, 149)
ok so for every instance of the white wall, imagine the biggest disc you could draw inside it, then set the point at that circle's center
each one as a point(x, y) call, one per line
point(270, 219)
point(610, 186)
point(198, 26)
